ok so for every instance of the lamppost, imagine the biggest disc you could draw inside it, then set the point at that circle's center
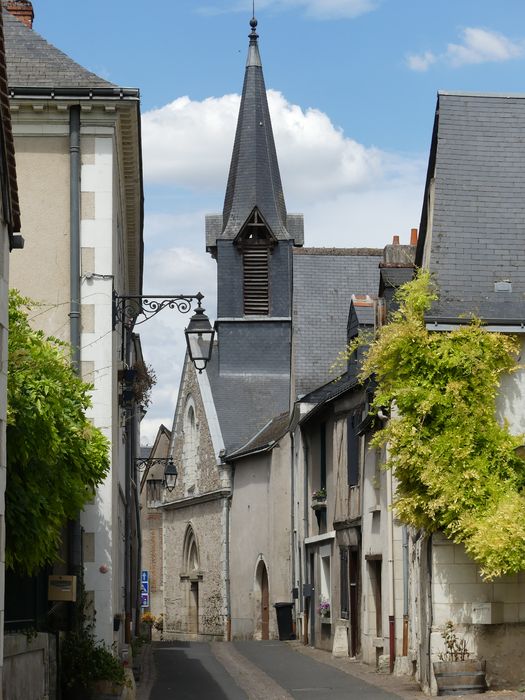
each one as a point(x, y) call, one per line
point(170, 470)
point(130, 311)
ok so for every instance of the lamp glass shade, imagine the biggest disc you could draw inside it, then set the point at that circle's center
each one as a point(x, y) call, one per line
point(199, 339)
point(170, 475)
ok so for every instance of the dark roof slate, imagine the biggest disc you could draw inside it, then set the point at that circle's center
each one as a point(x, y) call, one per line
point(245, 403)
point(9, 183)
point(323, 288)
point(477, 161)
point(266, 438)
point(254, 179)
point(34, 62)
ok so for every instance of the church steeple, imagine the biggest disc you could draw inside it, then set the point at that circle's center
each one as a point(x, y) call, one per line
point(254, 180)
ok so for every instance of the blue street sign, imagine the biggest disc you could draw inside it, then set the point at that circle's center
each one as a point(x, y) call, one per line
point(144, 587)
point(144, 576)
point(144, 600)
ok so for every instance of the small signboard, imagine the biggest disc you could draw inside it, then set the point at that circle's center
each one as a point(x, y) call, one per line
point(144, 589)
point(62, 588)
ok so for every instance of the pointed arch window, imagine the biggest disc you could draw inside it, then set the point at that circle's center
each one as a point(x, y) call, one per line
point(255, 243)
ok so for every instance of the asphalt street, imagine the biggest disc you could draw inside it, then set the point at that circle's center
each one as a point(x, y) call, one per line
point(246, 671)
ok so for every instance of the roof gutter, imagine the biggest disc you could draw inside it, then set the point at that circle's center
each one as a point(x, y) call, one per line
point(505, 325)
point(74, 93)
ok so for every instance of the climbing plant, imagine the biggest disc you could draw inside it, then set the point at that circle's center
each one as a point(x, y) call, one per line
point(55, 456)
point(455, 463)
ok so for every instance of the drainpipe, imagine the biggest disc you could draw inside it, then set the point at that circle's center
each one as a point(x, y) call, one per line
point(405, 590)
point(226, 506)
point(128, 464)
point(292, 521)
point(75, 536)
point(390, 544)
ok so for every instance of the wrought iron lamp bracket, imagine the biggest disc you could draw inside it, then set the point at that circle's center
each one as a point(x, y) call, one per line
point(133, 310)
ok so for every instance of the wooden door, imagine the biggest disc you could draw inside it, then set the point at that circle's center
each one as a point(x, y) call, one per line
point(353, 579)
point(265, 605)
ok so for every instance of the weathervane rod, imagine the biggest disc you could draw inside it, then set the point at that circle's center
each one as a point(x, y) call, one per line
point(253, 10)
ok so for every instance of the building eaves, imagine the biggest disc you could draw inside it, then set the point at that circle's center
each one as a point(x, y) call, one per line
point(265, 439)
point(338, 252)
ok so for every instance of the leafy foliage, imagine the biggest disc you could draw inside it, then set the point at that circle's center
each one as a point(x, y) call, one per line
point(55, 457)
point(84, 660)
point(455, 463)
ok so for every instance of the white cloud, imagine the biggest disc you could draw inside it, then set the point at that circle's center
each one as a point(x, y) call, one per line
point(482, 46)
point(477, 46)
point(421, 62)
point(188, 144)
point(316, 9)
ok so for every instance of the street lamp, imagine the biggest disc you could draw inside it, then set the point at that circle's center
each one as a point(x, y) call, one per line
point(170, 476)
point(132, 311)
point(170, 470)
point(199, 338)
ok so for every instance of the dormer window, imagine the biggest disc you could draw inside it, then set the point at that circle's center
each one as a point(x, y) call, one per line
point(255, 243)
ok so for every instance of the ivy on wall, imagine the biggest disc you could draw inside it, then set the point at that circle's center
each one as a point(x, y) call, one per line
point(456, 465)
point(55, 457)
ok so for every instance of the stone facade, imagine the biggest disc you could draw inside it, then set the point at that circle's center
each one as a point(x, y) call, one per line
point(194, 524)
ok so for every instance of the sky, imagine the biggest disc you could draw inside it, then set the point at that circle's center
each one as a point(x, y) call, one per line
point(352, 88)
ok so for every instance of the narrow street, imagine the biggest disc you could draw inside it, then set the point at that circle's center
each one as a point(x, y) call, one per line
point(254, 671)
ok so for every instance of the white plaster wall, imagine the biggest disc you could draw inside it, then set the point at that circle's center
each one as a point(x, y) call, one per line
point(260, 529)
point(41, 270)
point(375, 516)
point(102, 517)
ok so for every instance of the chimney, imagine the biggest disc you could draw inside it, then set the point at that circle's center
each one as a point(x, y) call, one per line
point(395, 240)
point(22, 10)
point(413, 236)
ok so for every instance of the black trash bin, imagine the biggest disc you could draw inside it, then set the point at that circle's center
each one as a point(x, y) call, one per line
point(284, 620)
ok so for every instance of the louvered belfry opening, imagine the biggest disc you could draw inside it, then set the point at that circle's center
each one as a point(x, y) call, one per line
point(255, 244)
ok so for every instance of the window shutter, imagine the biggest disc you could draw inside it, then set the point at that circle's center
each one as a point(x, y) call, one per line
point(256, 280)
point(345, 598)
point(352, 440)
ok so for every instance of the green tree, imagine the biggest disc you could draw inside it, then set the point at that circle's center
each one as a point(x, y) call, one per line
point(55, 457)
point(456, 464)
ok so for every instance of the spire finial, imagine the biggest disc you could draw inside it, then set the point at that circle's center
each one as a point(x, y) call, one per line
point(253, 24)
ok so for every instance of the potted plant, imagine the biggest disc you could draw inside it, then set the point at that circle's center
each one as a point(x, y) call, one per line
point(319, 499)
point(455, 672)
point(147, 621)
point(324, 608)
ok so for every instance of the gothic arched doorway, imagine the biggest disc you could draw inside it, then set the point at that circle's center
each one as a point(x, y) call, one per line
point(191, 562)
point(262, 602)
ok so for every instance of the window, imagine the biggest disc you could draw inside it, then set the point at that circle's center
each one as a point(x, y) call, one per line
point(190, 447)
point(353, 445)
point(345, 598)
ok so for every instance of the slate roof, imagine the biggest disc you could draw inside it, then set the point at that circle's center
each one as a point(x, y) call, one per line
point(272, 432)
point(9, 184)
point(323, 288)
point(34, 62)
point(245, 403)
point(477, 161)
point(254, 178)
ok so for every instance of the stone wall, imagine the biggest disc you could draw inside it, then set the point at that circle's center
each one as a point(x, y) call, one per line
point(29, 667)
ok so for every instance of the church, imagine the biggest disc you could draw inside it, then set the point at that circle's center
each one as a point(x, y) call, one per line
point(229, 530)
